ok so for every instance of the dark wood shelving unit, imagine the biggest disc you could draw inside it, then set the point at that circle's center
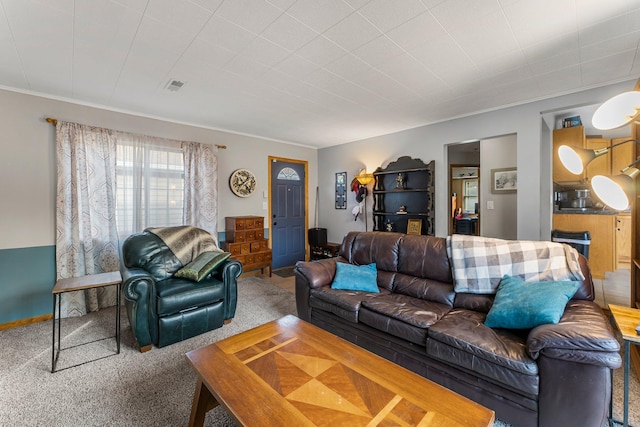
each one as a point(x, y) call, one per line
point(416, 194)
point(324, 250)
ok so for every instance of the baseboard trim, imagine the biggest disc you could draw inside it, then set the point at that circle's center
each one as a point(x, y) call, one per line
point(27, 321)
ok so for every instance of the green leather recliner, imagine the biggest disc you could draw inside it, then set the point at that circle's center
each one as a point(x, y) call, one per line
point(164, 309)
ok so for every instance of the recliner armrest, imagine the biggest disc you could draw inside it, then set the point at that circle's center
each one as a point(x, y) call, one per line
point(583, 335)
point(134, 282)
point(138, 289)
point(228, 274)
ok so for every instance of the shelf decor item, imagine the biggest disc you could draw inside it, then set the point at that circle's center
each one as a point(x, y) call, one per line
point(414, 226)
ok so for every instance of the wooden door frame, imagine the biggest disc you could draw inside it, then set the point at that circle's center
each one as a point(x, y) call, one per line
point(271, 160)
point(461, 165)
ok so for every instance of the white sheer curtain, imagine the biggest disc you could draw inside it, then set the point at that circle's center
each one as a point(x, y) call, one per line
point(150, 191)
point(86, 234)
point(112, 184)
point(201, 186)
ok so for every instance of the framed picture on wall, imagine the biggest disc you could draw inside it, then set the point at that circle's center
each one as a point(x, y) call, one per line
point(414, 226)
point(341, 190)
point(504, 180)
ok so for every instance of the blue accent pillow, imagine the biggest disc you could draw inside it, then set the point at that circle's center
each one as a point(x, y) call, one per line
point(351, 277)
point(525, 305)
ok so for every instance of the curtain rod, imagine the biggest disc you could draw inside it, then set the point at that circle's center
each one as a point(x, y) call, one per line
point(55, 123)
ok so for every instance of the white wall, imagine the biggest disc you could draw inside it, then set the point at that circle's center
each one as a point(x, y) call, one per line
point(27, 163)
point(501, 221)
point(429, 143)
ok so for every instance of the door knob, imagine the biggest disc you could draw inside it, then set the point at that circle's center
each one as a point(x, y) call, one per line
point(275, 223)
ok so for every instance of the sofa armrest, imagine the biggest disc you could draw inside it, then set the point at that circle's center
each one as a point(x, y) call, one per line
point(312, 275)
point(317, 273)
point(138, 289)
point(228, 274)
point(583, 335)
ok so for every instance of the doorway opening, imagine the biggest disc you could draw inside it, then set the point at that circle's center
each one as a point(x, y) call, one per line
point(496, 160)
point(464, 188)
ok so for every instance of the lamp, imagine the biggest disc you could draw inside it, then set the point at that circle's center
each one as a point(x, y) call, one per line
point(617, 111)
point(365, 179)
point(575, 159)
point(616, 191)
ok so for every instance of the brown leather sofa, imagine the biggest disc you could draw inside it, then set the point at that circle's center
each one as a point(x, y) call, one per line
point(551, 375)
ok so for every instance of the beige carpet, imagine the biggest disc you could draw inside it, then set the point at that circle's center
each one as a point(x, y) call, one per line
point(134, 389)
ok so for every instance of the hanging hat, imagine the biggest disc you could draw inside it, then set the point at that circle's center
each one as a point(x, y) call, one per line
point(355, 211)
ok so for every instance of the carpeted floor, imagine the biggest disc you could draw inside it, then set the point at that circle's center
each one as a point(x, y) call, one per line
point(285, 272)
point(132, 388)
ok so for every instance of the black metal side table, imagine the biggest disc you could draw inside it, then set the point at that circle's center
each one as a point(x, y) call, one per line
point(77, 284)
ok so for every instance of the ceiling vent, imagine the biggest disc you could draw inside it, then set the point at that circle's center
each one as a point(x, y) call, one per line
point(174, 85)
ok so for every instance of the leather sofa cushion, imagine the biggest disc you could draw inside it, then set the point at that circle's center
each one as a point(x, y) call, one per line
point(394, 327)
point(176, 294)
point(475, 302)
point(425, 289)
point(345, 304)
point(366, 248)
point(414, 311)
point(426, 257)
point(498, 355)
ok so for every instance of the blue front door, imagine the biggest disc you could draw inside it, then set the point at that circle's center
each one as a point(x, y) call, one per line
point(287, 213)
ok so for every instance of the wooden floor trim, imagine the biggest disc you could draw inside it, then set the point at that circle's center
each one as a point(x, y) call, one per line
point(27, 321)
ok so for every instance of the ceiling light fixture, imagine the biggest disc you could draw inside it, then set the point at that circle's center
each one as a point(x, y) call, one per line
point(617, 111)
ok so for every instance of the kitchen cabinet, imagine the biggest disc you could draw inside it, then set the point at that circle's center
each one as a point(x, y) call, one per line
point(623, 241)
point(622, 156)
point(600, 165)
point(574, 137)
point(601, 228)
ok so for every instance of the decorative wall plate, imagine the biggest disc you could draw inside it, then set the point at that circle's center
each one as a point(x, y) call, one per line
point(242, 182)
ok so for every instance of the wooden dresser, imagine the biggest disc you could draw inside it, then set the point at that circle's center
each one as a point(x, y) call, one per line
point(246, 243)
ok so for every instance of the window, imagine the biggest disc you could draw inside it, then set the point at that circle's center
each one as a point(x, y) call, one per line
point(288, 174)
point(470, 195)
point(150, 186)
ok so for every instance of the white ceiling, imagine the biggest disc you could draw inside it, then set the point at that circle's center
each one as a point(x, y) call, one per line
point(315, 72)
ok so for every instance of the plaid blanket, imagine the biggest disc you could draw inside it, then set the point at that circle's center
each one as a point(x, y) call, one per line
point(479, 263)
point(186, 242)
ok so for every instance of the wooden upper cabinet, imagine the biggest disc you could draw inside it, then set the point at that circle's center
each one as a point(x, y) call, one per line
point(573, 136)
point(623, 155)
point(600, 165)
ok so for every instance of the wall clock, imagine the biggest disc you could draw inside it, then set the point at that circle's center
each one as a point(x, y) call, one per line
point(242, 182)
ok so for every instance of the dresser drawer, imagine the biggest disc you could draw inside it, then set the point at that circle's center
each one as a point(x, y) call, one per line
point(236, 248)
point(239, 223)
point(258, 246)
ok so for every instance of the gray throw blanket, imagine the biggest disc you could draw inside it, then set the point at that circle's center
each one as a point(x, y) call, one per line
point(479, 263)
point(186, 242)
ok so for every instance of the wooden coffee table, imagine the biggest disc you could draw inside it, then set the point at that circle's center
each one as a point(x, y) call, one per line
point(291, 373)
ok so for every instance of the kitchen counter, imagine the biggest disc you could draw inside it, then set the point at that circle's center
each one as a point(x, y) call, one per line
point(586, 211)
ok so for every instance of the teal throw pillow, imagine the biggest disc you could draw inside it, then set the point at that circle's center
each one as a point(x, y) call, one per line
point(525, 305)
point(351, 277)
point(204, 264)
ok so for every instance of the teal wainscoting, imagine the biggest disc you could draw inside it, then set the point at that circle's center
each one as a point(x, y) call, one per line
point(27, 276)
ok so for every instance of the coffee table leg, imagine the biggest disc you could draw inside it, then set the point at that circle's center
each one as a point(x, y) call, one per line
point(203, 401)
